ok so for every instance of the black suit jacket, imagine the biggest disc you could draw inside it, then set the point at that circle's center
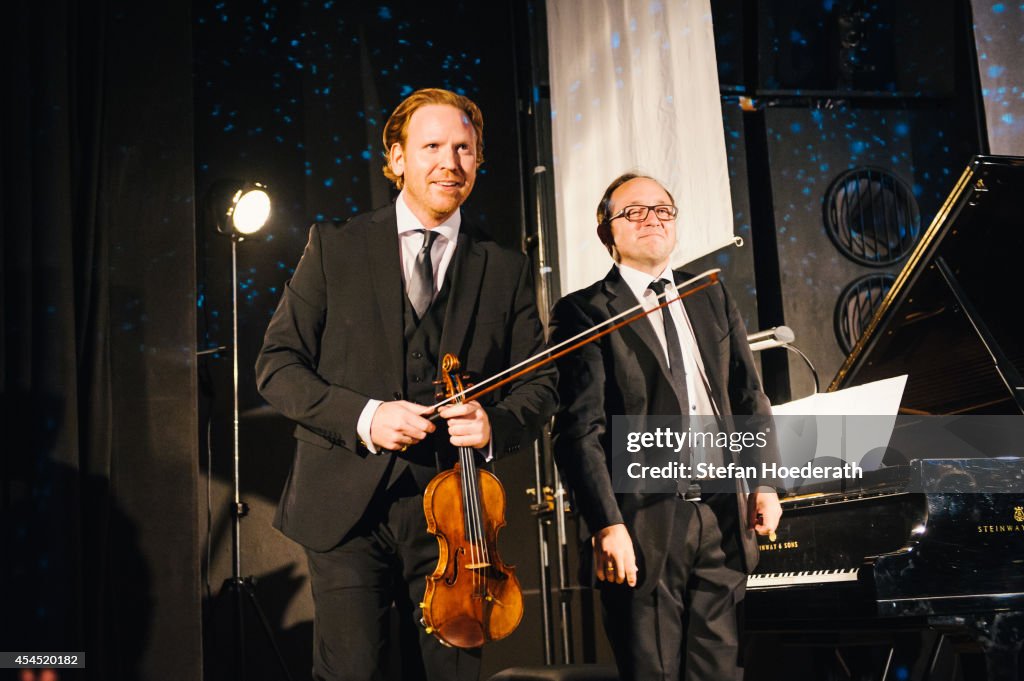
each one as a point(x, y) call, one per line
point(626, 373)
point(336, 340)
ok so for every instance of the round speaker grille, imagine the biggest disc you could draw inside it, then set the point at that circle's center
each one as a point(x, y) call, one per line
point(857, 304)
point(872, 217)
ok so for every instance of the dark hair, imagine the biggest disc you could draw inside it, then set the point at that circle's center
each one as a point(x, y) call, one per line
point(604, 211)
point(396, 130)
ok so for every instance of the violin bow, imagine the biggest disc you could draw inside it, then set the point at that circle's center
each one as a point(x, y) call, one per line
point(524, 367)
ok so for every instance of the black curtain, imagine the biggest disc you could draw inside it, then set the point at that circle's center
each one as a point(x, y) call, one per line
point(98, 493)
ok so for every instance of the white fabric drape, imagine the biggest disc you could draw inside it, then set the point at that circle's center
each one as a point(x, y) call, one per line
point(998, 36)
point(634, 86)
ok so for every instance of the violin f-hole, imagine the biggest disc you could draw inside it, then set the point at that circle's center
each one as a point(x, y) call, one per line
point(459, 552)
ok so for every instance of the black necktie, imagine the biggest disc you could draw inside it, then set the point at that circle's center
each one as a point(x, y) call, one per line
point(421, 285)
point(675, 357)
point(675, 350)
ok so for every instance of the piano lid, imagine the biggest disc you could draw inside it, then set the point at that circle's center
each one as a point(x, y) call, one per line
point(950, 319)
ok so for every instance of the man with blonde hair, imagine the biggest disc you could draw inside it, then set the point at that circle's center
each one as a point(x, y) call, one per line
point(351, 355)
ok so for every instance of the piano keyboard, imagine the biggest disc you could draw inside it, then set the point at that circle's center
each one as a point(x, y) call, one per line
point(770, 580)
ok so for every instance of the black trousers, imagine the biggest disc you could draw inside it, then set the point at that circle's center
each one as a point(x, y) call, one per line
point(687, 627)
point(385, 561)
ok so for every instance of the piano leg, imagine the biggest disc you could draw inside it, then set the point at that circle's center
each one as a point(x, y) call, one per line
point(910, 654)
point(999, 635)
point(861, 654)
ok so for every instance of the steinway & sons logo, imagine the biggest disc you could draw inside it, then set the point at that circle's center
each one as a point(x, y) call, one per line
point(1018, 517)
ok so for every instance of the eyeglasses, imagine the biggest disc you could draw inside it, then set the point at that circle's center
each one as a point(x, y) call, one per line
point(639, 213)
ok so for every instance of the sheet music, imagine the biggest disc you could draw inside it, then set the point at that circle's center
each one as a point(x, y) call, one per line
point(851, 425)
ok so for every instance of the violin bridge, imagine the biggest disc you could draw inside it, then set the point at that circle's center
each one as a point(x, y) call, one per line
point(477, 566)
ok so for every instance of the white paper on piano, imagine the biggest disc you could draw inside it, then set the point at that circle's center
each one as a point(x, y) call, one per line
point(850, 425)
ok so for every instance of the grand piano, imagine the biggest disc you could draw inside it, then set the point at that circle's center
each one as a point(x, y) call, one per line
point(894, 576)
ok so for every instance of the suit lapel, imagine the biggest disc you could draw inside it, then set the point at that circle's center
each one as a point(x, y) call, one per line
point(620, 299)
point(384, 258)
point(701, 315)
point(466, 274)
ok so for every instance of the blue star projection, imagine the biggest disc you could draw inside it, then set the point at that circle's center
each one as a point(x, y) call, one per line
point(296, 95)
point(897, 98)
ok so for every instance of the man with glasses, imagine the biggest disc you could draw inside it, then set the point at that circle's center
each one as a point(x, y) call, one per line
point(671, 568)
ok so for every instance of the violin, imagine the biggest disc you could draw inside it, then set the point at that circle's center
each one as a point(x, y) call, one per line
point(471, 597)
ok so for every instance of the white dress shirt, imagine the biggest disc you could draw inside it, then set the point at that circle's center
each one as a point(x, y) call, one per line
point(410, 241)
point(701, 401)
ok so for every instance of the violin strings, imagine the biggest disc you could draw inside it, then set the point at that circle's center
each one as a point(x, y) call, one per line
point(473, 514)
point(478, 484)
point(479, 524)
point(471, 511)
point(465, 475)
point(476, 387)
point(467, 510)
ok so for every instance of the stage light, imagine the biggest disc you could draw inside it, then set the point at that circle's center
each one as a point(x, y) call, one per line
point(240, 209)
point(251, 210)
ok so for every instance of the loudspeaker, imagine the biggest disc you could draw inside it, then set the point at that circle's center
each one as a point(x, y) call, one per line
point(845, 189)
point(856, 45)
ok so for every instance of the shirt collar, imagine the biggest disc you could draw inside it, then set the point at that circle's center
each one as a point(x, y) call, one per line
point(639, 281)
point(407, 222)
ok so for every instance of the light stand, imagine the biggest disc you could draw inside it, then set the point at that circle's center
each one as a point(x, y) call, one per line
point(240, 211)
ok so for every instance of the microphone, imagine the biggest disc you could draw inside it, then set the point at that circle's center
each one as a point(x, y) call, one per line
point(780, 337)
point(770, 338)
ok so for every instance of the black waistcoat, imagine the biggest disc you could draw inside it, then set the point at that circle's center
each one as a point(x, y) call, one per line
point(421, 350)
